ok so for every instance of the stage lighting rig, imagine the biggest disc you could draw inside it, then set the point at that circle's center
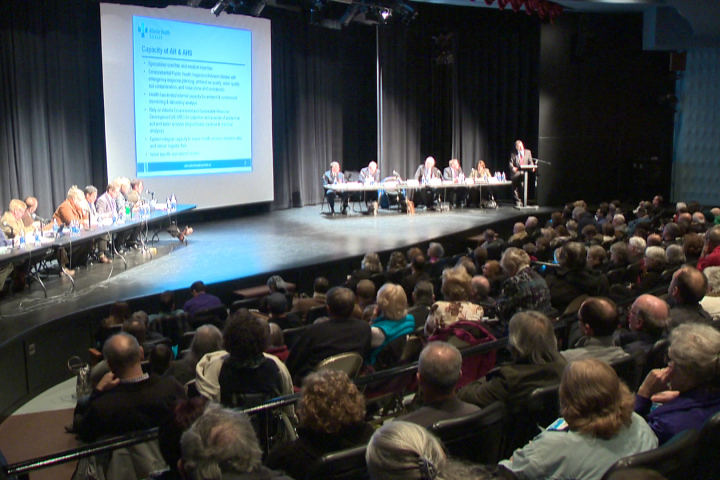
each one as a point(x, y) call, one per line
point(220, 7)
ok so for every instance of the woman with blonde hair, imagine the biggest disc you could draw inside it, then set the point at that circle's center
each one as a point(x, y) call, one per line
point(332, 418)
point(392, 320)
point(598, 428)
point(456, 306)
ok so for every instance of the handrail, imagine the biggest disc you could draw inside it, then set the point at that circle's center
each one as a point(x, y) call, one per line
point(110, 444)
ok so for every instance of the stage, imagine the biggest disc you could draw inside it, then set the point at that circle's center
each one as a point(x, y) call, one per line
point(226, 254)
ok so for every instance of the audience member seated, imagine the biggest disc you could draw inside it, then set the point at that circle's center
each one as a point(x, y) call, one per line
point(687, 288)
point(392, 320)
point(369, 266)
point(201, 300)
point(119, 312)
point(536, 364)
point(244, 339)
point(126, 399)
point(438, 374)
point(417, 266)
point(406, 451)
point(519, 236)
point(277, 308)
point(340, 334)
point(595, 260)
point(423, 297)
point(524, 288)
point(396, 267)
point(572, 279)
point(184, 413)
point(692, 375)
point(647, 320)
point(365, 294)
point(331, 412)
point(619, 256)
point(277, 345)
point(222, 444)
point(160, 359)
point(208, 339)
point(598, 321)
point(494, 273)
point(675, 256)
point(436, 260)
point(457, 290)
point(276, 284)
point(693, 245)
point(651, 272)
point(636, 249)
point(493, 244)
point(301, 306)
point(711, 301)
point(166, 306)
point(597, 428)
point(481, 293)
point(711, 251)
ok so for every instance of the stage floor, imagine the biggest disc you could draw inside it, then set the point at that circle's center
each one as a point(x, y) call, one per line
point(221, 251)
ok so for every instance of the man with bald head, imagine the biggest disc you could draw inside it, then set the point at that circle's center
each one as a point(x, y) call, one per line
point(481, 292)
point(688, 286)
point(126, 399)
point(439, 370)
point(598, 321)
point(647, 320)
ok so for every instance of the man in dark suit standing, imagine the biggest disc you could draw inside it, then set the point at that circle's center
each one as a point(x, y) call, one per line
point(424, 174)
point(521, 156)
point(333, 177)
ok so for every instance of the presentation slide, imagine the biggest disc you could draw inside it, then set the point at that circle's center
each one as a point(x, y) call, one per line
point(188, 103)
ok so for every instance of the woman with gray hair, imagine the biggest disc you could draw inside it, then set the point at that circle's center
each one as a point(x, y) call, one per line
point(405, 451)
point(456, 306)
point(537, 364)
point(675, 255)
point(525, 289)
point(688, 388)
point(711, 301)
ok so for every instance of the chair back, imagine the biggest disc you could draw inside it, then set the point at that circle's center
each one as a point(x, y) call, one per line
point(672, 460)
point(214, 316)
point(540, 409)
point(291, 335)
point(349, 363)
point(478, 437)
point(172, 326)
point(391, 355)
point(249, 303)
point(314, 313)
point(656, 357)
point(378, 280)
point(707, 451)
point(630, 368)
point(344, 465)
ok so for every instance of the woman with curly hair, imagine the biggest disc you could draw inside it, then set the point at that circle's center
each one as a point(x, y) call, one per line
point(598, 428)
point(331, 414)
point(456, 289)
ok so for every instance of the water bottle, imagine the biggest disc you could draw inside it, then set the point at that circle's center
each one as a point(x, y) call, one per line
point(37, 237)
point(22, 241)
point(173, 202)
point(503, 177)
point(55, 228)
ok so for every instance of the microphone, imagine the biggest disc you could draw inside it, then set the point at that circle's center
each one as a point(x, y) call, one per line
point(150, 192)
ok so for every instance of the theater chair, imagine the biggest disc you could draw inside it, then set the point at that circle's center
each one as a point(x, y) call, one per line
point(656, 357)
point(672, 460)
point(349, 362)
point(477, 438)
point(172, 326)
point(291, 335)
point(214, 316)
point(630, 369)
point(540, 409)
point(707, 451)
point(314, 313)
point(344, 465)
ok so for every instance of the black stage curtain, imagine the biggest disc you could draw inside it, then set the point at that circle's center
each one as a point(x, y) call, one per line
point(324, 104)
point(51, 124)
point(460, 82)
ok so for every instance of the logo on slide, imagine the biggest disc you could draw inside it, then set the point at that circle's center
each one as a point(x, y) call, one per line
point(142, 30)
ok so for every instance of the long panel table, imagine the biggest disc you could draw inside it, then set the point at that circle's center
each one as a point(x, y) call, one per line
point(403, 187)
point(34, 253)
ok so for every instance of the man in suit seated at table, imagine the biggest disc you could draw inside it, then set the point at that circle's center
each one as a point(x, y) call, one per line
point(370, 175)
point(424, 174)
point(453, 173)
point(333, 177)
point(73, 209)
point(438, 373)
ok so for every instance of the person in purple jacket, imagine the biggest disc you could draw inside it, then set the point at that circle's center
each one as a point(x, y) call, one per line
point(201, 300)
point(688, 388)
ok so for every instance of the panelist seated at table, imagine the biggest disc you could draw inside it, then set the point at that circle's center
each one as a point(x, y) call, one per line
point(5, 270)
point(30, 219)
point(69, 211)
point(95, 219)
point(14, 228)
point(479, 174)
point(453, 173)
point(426, 174)
point(333, 177)
point(370, 175)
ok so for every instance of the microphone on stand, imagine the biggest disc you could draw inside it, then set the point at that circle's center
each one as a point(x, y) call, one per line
point(152, 194)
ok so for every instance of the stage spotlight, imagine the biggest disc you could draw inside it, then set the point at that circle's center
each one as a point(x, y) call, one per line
point(257, 8)
point(219, 7)
point(385, 13)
